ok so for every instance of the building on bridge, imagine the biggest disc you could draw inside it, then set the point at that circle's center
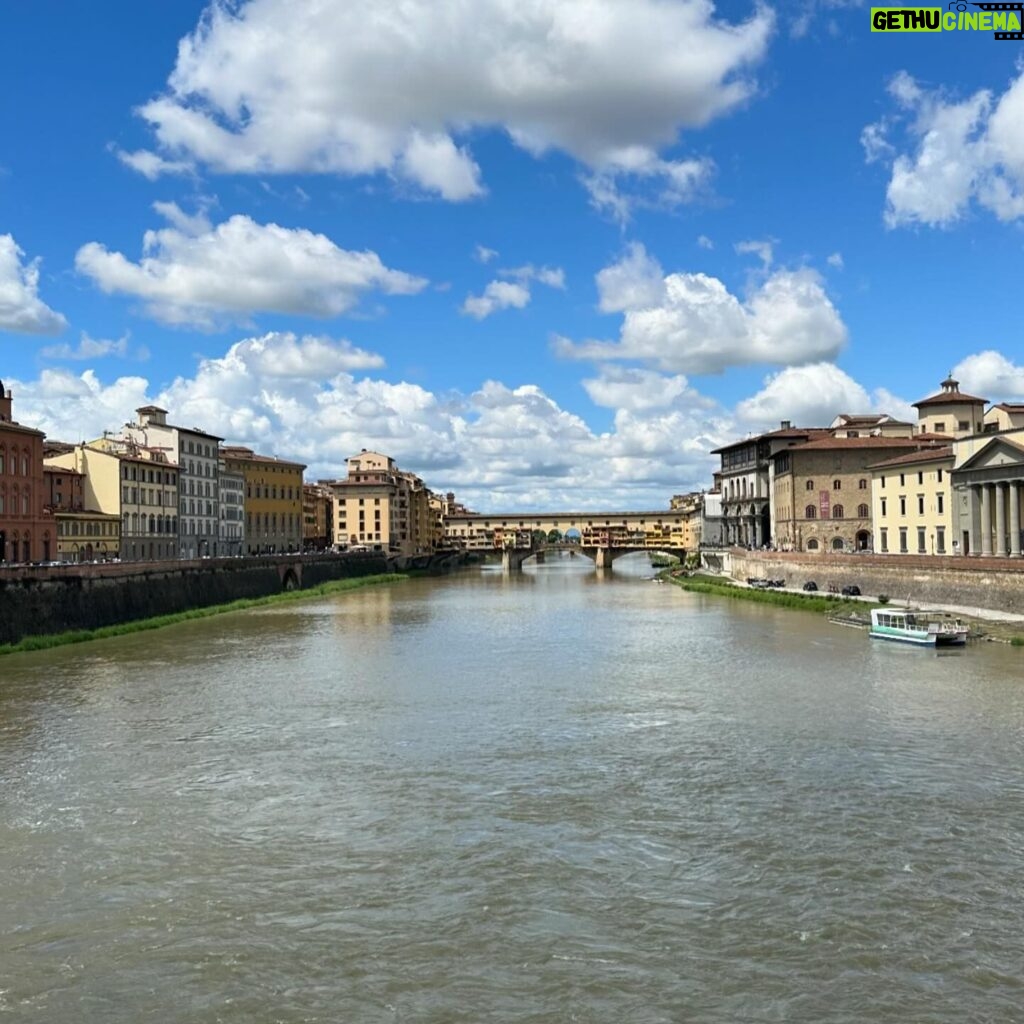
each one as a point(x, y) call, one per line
point(633, 530)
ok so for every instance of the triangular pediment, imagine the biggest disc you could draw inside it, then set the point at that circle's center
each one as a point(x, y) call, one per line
point(1000, 451)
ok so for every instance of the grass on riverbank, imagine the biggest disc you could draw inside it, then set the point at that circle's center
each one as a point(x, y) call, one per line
point(980, 628)
point(77, 636)
point(782, 599)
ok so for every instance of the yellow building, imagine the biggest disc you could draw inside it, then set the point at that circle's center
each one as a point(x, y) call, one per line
point(378, 507)
point(822, 491)
point(87, 536)
point(951, 412)
point(273, 500)
point(137, 485)
point(1006, 416)
point(912, 504)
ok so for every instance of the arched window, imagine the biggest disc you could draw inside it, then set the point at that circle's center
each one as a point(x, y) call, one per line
point(810, 485)
point(863, 512)
point(837, 511)
point(812, 545)
point(862, 484)
point(837, 485)
point(810, 512)
point(152, 524)
point(837, 544)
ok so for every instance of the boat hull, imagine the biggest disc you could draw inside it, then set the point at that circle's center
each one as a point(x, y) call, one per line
point(922, 638)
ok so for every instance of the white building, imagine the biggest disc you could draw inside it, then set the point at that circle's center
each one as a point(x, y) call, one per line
point(197, 456)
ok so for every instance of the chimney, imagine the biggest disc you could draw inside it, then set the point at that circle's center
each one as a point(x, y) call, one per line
point(5, 404)
point(786, 424)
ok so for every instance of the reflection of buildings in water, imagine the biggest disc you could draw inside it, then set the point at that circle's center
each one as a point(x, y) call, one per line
point(379, 610)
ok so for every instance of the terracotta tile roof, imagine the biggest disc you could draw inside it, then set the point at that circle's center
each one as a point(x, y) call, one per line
point(928, 455)
point(853, 443)
point(1010, 406)
point(782, 433)
point(950, 398)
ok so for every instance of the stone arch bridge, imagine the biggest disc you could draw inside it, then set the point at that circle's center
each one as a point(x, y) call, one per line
point(601, 536)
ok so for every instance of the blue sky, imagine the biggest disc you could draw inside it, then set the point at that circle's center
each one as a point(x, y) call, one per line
point(541, 252)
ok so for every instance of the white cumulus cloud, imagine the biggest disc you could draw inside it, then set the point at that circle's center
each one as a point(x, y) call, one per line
point(991, 375)
point(88, 348)
point(497, 295)
point(21, 309)
point(514, 293)
point(812, 396)
point(194, 273)
point(946, 154)
point(693, 324)
point(368, 86)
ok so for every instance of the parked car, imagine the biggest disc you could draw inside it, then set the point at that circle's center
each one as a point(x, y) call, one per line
point(852, 590)
point(810, 585)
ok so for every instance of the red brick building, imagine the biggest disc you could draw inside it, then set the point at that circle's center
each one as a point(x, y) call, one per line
point(26, 531)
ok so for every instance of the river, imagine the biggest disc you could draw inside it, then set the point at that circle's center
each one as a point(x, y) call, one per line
point(554, 797)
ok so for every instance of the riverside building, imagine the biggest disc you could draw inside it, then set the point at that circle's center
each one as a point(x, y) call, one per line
point(26, 530)
point(195, 455)
point(273, 500)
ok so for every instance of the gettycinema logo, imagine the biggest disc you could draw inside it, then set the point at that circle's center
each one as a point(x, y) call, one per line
point(1002, 20)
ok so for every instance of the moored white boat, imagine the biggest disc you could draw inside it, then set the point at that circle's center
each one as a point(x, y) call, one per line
point(914, 626)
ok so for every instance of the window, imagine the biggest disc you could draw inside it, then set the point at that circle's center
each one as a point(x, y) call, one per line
point(903, 479)
point(810, 485)
point(881, 482)
point(862, 484)
point(940, 540)
point(963, 425)
point(837, 543)
point(810, 512)
point(812, 545)
point(939, 474)
point(903, 505)
point(939, 503)
point(863, 512)
point(920, 504)
point(903, 540)
point(837, 485)
point(920, 478)
point(940, 427)
point(837, 512)
point(883, 536)
point(883, 506)
point(921, 548)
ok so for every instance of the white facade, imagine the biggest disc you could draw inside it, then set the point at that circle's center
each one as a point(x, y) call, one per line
point(197, 456)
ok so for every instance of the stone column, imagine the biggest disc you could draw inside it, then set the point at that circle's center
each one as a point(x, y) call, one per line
point(1000, 490)
point(974, 497)
point(986, 520)
point(1015, 519)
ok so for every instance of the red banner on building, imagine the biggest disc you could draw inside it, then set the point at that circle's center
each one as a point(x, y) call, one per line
point(823, 509)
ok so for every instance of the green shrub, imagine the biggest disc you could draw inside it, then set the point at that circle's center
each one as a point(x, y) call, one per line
point(883, 598)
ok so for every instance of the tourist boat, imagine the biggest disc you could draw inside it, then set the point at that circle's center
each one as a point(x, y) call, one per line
point(914, 626)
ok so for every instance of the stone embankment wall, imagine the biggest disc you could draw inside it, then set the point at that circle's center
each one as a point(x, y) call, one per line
point(996, 583)
point(51, 600)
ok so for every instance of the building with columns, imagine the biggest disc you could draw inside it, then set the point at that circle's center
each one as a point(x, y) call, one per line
point(988, 477)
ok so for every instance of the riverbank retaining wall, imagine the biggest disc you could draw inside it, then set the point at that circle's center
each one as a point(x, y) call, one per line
point(996, 583)
point(40, 600)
